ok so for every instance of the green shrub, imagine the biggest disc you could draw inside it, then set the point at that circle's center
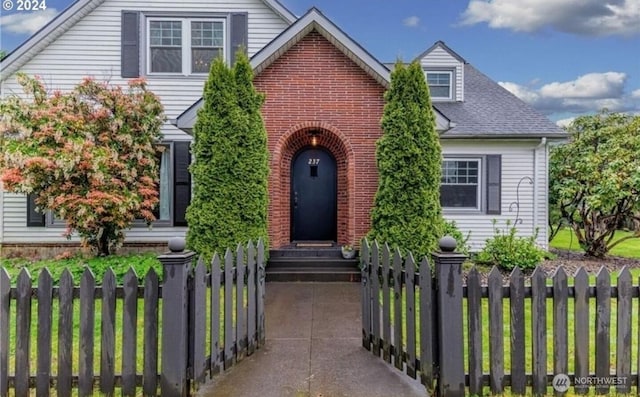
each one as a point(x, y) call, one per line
point(451, 229)
point(507, 251)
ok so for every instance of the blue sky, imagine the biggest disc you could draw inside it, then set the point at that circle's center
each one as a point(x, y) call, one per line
point(565, 57)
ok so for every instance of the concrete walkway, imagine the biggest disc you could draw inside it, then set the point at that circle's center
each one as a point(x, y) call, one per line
point(313, 349)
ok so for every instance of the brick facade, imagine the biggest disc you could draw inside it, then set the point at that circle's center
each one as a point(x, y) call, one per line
point(314, 87)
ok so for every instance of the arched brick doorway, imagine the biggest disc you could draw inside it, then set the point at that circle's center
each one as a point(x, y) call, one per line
point(309, 135)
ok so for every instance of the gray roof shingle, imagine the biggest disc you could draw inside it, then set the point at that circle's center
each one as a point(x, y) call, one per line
point(489, 110)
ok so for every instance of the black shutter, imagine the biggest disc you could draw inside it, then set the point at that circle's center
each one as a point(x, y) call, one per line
point(494, 183)
point(239, 34)
point(130, 44)
point(181, 182)
point(34, 218)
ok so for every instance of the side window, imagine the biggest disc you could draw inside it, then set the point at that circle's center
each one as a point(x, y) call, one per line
point(460, 187)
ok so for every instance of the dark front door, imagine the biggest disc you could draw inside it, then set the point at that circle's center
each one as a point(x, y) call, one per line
point(313, 195)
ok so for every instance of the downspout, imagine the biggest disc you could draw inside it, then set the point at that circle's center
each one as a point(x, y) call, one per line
point(543, 143)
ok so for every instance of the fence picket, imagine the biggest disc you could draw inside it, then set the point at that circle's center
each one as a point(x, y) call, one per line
point(603, 327)
point(386, 304)
point(427, 316)
point(87, 326)
point(560, 324)
point(581, 326)
point(65, 334)
point(5, 304)
point(199, 319)
point(229, 347)
point(623, 326)
point(129, 332)
point(45, 308)
point(251, 298)
point(151, 324)
point(397, 309)
point(23, 333)
point(108, 330)
point(517, 311)
point(375, 297)
point(261, 277)
point(365, 270)
point(410, 270)
point(539, 330)
point(241, 322)
point(216, 356)
point(496, 336)
point(474, 319)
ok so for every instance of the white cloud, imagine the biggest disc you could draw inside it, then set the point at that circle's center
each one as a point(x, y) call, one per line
point(27, 22)
point(411, 21)
point(565, 122)
point(586, 94)
point(583, 17)
point(592, 85)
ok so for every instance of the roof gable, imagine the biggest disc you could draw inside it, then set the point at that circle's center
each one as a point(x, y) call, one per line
point(68, 18)
point(443, 46)
point(315, 20)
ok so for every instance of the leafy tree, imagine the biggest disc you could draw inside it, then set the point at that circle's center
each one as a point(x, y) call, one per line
point(230, 168)
point(87, 155)
point(595, 179)
point(3, 54)
point(407, 211)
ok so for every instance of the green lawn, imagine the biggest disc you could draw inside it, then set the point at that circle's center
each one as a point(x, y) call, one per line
point(566, 239)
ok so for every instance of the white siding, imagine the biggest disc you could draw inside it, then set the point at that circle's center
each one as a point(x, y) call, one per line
point(92, 48)
point(439, 59)
point(517, 163)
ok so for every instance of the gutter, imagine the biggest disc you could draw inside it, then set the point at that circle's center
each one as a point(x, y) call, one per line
point(543, 143)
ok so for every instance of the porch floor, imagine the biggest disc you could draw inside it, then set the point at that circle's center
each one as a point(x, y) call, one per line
point(313, 349)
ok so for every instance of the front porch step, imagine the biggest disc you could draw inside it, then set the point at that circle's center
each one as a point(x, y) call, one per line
point(322, 266)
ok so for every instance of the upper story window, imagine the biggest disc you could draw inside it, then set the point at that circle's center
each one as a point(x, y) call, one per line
point(184, 46)
point(440, 84)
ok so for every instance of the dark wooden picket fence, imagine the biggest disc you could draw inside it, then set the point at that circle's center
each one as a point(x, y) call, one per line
point(424, 318)
point(175, 324)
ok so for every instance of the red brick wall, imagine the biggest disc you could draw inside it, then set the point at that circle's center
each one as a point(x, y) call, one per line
point(315, 87)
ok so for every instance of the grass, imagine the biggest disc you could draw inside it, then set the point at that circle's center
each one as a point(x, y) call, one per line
point(566, 239)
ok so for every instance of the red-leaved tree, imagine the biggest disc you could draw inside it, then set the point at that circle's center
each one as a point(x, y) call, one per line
point(88, 155)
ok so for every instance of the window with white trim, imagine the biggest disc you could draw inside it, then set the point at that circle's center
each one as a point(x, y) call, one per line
point(461, 183)
point(184, 46)
point(440, 84)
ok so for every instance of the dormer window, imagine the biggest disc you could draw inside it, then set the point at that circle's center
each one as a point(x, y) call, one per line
point(440, 84)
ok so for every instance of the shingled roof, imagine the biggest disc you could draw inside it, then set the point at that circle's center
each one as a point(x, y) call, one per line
point(489, 110)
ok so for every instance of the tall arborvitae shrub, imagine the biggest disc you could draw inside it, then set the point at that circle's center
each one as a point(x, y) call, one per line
point(230, 167)
point(406, 211)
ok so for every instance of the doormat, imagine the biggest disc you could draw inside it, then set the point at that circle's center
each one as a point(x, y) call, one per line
point(314, 245)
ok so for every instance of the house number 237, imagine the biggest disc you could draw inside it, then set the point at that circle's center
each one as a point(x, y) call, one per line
point(314, 161)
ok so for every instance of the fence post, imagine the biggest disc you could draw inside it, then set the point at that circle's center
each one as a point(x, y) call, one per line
point(448, 284)
point(176, 266)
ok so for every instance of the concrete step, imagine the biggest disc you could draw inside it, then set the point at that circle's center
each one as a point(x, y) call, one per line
point(311, 262)
point(305, 253)
point(328, 274)
point(312, 268)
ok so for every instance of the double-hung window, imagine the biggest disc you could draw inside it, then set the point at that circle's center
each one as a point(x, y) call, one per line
point(440, 84)
point(461, 181)
point(184, 46)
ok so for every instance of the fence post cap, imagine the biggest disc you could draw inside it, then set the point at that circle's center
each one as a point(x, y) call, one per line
point(447, 244)
point(177, 244)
